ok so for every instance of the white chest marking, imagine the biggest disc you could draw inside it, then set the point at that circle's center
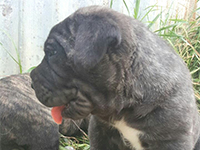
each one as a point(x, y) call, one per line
point(129, 133)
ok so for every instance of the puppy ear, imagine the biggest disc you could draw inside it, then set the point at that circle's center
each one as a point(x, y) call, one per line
point(94, 37)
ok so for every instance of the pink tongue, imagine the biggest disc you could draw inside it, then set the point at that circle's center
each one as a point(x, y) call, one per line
point(56, 114)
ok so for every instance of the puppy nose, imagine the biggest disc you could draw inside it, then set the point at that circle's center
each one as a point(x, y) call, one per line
point(32, 86)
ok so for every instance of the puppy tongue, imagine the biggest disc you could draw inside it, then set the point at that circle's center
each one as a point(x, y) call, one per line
point(56, 114)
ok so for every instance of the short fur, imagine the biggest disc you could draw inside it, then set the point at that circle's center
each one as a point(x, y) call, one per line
point(101, 62)
point(26, 124)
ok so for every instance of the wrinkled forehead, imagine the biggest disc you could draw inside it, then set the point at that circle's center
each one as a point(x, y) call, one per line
point(62, 33)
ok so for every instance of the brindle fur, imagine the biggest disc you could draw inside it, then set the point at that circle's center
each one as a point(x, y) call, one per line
point(26, 124)
point(101, 62)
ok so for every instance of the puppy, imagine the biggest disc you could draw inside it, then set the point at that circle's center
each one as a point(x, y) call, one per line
point(26, 124)
point(138, 90)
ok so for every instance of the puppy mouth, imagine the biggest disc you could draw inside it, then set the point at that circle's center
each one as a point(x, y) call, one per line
point(59, 101)
point(73, 100)
point(76, 112)
point(56, 113)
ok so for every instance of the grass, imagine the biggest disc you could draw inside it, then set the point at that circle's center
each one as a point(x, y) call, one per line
point(78, 143)
point(16, 60)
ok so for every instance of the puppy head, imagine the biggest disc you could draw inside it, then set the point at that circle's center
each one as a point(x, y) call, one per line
point(83, 59)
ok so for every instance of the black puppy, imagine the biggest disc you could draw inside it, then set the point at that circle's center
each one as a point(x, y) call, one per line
point(26, 124)
point(138, 90)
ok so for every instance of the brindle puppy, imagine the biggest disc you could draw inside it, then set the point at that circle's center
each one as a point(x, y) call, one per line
point(26, 124)
point(138, 90)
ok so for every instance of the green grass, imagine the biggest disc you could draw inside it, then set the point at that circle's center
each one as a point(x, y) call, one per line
point(78, 143)
point(16, 60)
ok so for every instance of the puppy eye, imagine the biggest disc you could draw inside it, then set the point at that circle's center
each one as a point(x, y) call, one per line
point(51, 53)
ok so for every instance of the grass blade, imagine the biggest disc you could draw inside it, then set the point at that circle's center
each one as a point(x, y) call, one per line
point(18, 61)
point(147, 13)
point(194, 71)
point(126, 6)
point(136, 9)
point(154, 20)
point(166, 27)
point(111, 3)
point(30, 69)
point(9, 54)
